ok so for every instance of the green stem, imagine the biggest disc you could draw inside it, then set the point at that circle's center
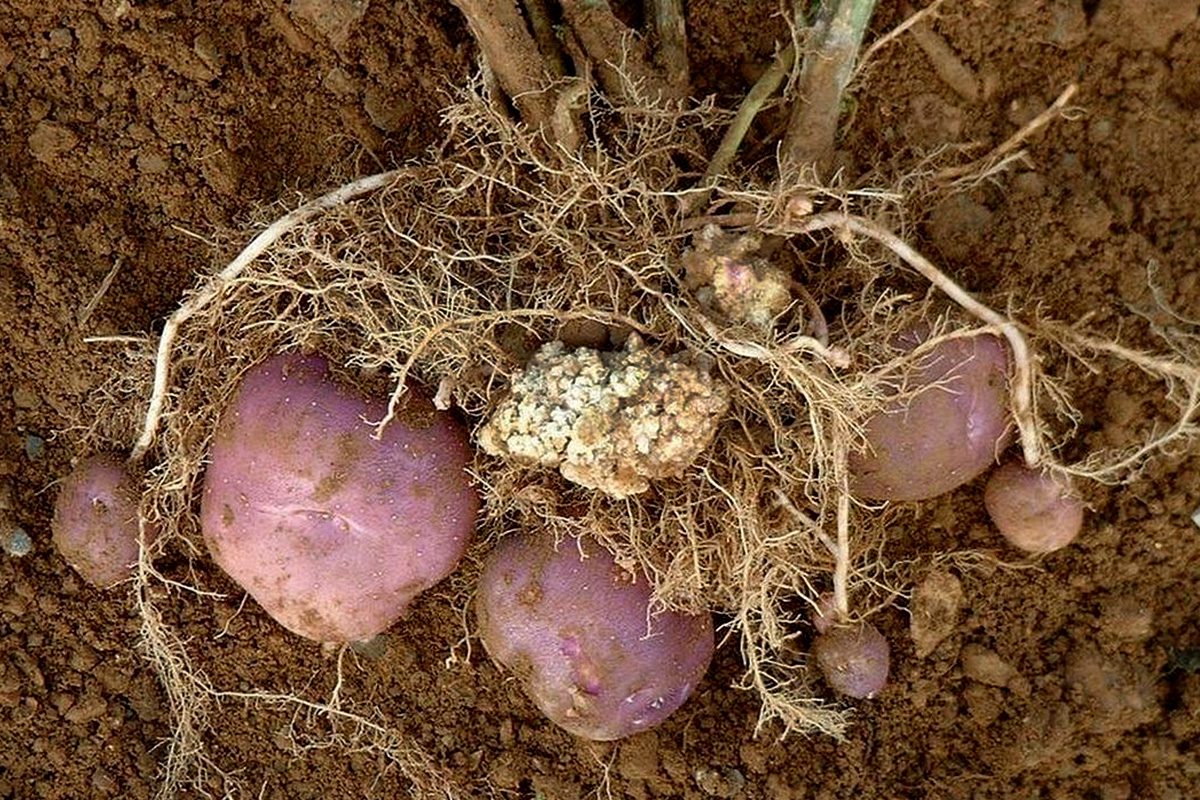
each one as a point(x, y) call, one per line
point(766, 85)
point(836, 37)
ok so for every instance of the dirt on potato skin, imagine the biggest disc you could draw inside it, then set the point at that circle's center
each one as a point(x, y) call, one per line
point(131, 132)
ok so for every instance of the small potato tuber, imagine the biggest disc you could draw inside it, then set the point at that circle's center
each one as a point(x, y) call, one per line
point(947, 428)
point(577, 632)
point(1032, 509)
point(334, 532)
point(854, 659)
point(95, 524)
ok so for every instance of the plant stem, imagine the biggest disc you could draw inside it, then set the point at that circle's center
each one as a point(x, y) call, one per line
point(836, 37)
point(670, 22)
point(510, 51)
point(547, 41)
point(766, 85)
point(619, 55)
point(946, 63)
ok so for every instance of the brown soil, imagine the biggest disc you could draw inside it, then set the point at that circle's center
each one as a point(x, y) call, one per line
point(133, 133)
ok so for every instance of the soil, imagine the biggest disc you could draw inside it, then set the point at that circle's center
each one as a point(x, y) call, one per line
point(135, 133)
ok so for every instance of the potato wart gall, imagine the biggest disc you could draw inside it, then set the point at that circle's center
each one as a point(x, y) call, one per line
point(611, 421)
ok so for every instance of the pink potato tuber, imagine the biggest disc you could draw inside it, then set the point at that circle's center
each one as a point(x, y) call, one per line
point(854, 659)
point(332, 531)
point(947, 433)
point(95, 524)
point(577, 632)
point(1033, 510)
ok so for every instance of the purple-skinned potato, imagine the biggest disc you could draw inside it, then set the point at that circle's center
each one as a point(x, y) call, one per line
point(578, 634)
point(333, 531)
point(1032, 509)
point(854, 659)
point(948, 433)
point(95, 525)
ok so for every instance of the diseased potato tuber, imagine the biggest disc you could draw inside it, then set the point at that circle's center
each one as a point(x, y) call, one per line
point(728, 277)
point(608, 421)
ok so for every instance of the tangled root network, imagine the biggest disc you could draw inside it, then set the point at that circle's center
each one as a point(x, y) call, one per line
point(460, 273)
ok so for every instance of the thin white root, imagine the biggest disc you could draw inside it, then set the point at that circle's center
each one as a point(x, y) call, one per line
point(834, 356)
point(86, 312)
point(841, 561)
point(1058, 107)
point(1183, 384)
point(1023, 366)
point(257, 246)
point(895, 33)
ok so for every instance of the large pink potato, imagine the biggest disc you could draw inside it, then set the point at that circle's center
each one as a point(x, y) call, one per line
point(574, 630)
point(95, 524)
point(1032, 509)
point(949, 433)
point(332, 531)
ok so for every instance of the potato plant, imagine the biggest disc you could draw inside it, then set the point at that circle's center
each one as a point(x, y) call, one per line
point(688, 360)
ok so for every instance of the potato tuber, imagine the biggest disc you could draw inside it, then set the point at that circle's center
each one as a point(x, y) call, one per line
point(334, 532)
point(576, 628)
point(854, 659)
point(95, 524)
point(946, 430)
point(1032, 509)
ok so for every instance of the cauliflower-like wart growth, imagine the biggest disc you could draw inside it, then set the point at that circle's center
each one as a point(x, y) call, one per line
point(607, 420)
point(727, 276)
